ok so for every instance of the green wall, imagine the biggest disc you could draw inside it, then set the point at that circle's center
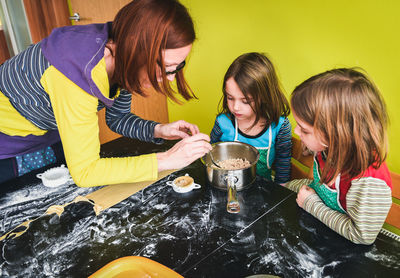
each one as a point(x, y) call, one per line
point(302, 38)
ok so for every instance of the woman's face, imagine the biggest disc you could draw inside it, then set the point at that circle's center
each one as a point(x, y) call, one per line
point(172, 58)
point(308, 136)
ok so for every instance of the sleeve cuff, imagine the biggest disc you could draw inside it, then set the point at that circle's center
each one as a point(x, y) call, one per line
point(295, 185)
point(157, 141)
point(154, 166)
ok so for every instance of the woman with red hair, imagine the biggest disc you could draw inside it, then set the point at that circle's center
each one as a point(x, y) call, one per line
point(51, 92)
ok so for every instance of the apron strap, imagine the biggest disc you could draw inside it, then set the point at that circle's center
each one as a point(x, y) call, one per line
point(269, 146)
point(269, 141)
point(236, 131)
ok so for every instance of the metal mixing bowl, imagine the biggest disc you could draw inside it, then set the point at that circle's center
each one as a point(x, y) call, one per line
point(242, 178)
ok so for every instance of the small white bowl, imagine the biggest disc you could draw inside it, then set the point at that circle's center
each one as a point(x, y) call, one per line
point(183, 184)
point(55, 176)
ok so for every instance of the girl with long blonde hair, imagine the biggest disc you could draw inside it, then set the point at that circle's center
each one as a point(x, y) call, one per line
point(341, 117)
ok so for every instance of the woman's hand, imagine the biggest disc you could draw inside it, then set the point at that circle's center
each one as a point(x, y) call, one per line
point(176, 130)
point(304, 192)
point(184, 152)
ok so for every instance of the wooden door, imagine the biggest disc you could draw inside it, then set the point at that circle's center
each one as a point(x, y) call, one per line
point(154, 106)
point(45, 15)
point(4, 53)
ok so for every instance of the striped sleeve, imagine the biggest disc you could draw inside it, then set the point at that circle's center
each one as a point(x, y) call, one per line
point(368, 202)
point(283, 152)
point(120, 120)
point(216, 133)
point(295, 185)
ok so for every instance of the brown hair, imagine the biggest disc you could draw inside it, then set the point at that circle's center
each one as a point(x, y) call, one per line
point(256, 77)
point(141, 31)
point(347, 110)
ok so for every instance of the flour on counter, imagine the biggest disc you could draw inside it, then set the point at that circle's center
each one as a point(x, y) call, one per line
point(32, 201)
point(198, 234)
point(387, 259)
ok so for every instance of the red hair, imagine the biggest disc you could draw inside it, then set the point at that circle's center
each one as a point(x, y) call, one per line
point(141, 31)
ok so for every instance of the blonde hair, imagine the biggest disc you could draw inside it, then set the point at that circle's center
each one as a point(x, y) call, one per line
point(256, 77)
point(347, 110)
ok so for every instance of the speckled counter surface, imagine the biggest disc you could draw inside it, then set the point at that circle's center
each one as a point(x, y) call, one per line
point(191, 233)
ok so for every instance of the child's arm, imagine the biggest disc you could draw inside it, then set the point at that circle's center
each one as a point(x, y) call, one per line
point(368, 202)
point(295, 185)
point(216, 133)
point(283, 147)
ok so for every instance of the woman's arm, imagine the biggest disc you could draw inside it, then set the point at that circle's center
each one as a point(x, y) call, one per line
point(283, 147)
point(120, 120)
point(368, 202)
point(76, 115)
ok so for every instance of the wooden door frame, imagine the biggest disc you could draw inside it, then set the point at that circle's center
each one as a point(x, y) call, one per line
point(45, 15)
point(4, 52)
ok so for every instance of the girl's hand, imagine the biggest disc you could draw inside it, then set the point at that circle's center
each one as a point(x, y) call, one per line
point(304, 192)
point(184, 152)
point(305, 151)
point(176, 130)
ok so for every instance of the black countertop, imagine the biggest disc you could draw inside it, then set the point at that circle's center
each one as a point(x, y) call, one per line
point(191, 232)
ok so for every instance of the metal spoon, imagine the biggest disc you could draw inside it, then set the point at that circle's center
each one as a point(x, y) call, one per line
point(213, 161)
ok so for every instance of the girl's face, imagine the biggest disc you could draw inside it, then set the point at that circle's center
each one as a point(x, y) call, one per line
point(172, 59)
point(237, 102)
point(307, 135)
